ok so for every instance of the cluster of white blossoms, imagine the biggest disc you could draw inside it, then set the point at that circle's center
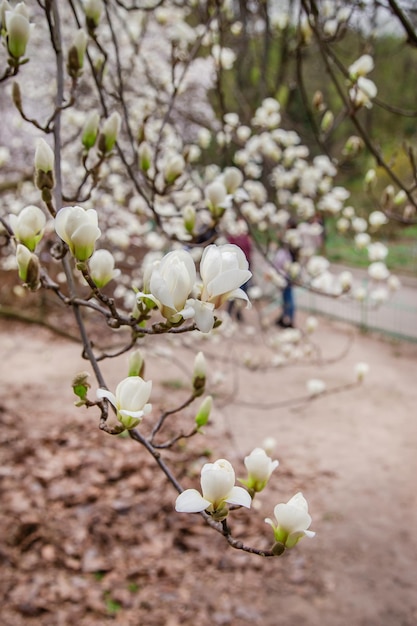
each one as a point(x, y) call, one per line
point(218, 491)
point(171, 284)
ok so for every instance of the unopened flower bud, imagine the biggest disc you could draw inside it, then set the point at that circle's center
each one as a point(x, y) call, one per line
point(145, 156)
point(44, 157)
point(203, 412)
point(232, 179)
point(400, 197)
point(216, 198)
point(174, 168)
point(28, 266)
point(136, 364)
point(109, 133)
point(28, 226)
point(17, 96)
point(4, 6)
point(327, 121)
point(387, 196)
point(101, 266)
point(93, 10)
point(18, 30)
point(361, 369)
point(353, 146)
point(188, 214)
point(76, 53)
point(199, 374)
point(44, 166)
point(90, 130)
point(318, 101)
point(370, 178)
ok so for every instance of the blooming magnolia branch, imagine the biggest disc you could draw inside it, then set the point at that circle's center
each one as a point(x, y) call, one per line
point(147, 175)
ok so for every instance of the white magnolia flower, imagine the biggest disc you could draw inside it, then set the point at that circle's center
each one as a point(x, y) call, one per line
point(359, 225)
point(260, 467)
point(362, 240)
point(311, 324)
point(28, 226)
point(130, 400)
point(394, 283)
point(363, 92)
point(378, 271)
point(377, 251)
point(377, 219)
point(315, 386)
point(216, 196)
point(232, 179)
point(223, 270)
point(171, 282)
point(218, 489)
point(101, 267)
point(361, 66)
point(361, 369)
point(79, 229)
point(291, 521)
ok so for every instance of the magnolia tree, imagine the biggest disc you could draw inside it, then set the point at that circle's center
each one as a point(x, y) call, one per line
point(132, 156)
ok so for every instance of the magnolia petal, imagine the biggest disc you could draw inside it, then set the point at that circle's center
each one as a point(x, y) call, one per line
point(135, 414)
point(228, 281)
point(240, 496)
point(104, 393)
point(291, 518)
point(203, 314)
point(191, 501)
point(161, 291)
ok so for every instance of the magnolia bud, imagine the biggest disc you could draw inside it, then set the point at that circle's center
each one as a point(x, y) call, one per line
point(18, 31)
point(93, 10)
point(109, 133)
point(216, 196)
point(353, 146)
point(203, 412)
point(101, 265)
point(4, 6)
point(90, 130)
point(232, 179)
point(400, 197)
point(199, 374)
point(28, 266)
point(188, 214)
point(318, 101)
point(44, 166)
point(327, 121)
point(17, 96)
point(145, 156)
point(136, 364)
point(370, 178)
point(361, 369)
point(44, 157)
point(174, 168)
point(28, 226)
point(76, 53)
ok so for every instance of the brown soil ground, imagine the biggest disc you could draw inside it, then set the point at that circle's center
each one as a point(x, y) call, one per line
point(88, 534)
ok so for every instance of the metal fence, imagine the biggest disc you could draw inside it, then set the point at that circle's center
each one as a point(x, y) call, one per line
point(396, 317)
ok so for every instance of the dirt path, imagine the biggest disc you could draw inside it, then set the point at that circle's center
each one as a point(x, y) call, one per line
point(352, 453)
